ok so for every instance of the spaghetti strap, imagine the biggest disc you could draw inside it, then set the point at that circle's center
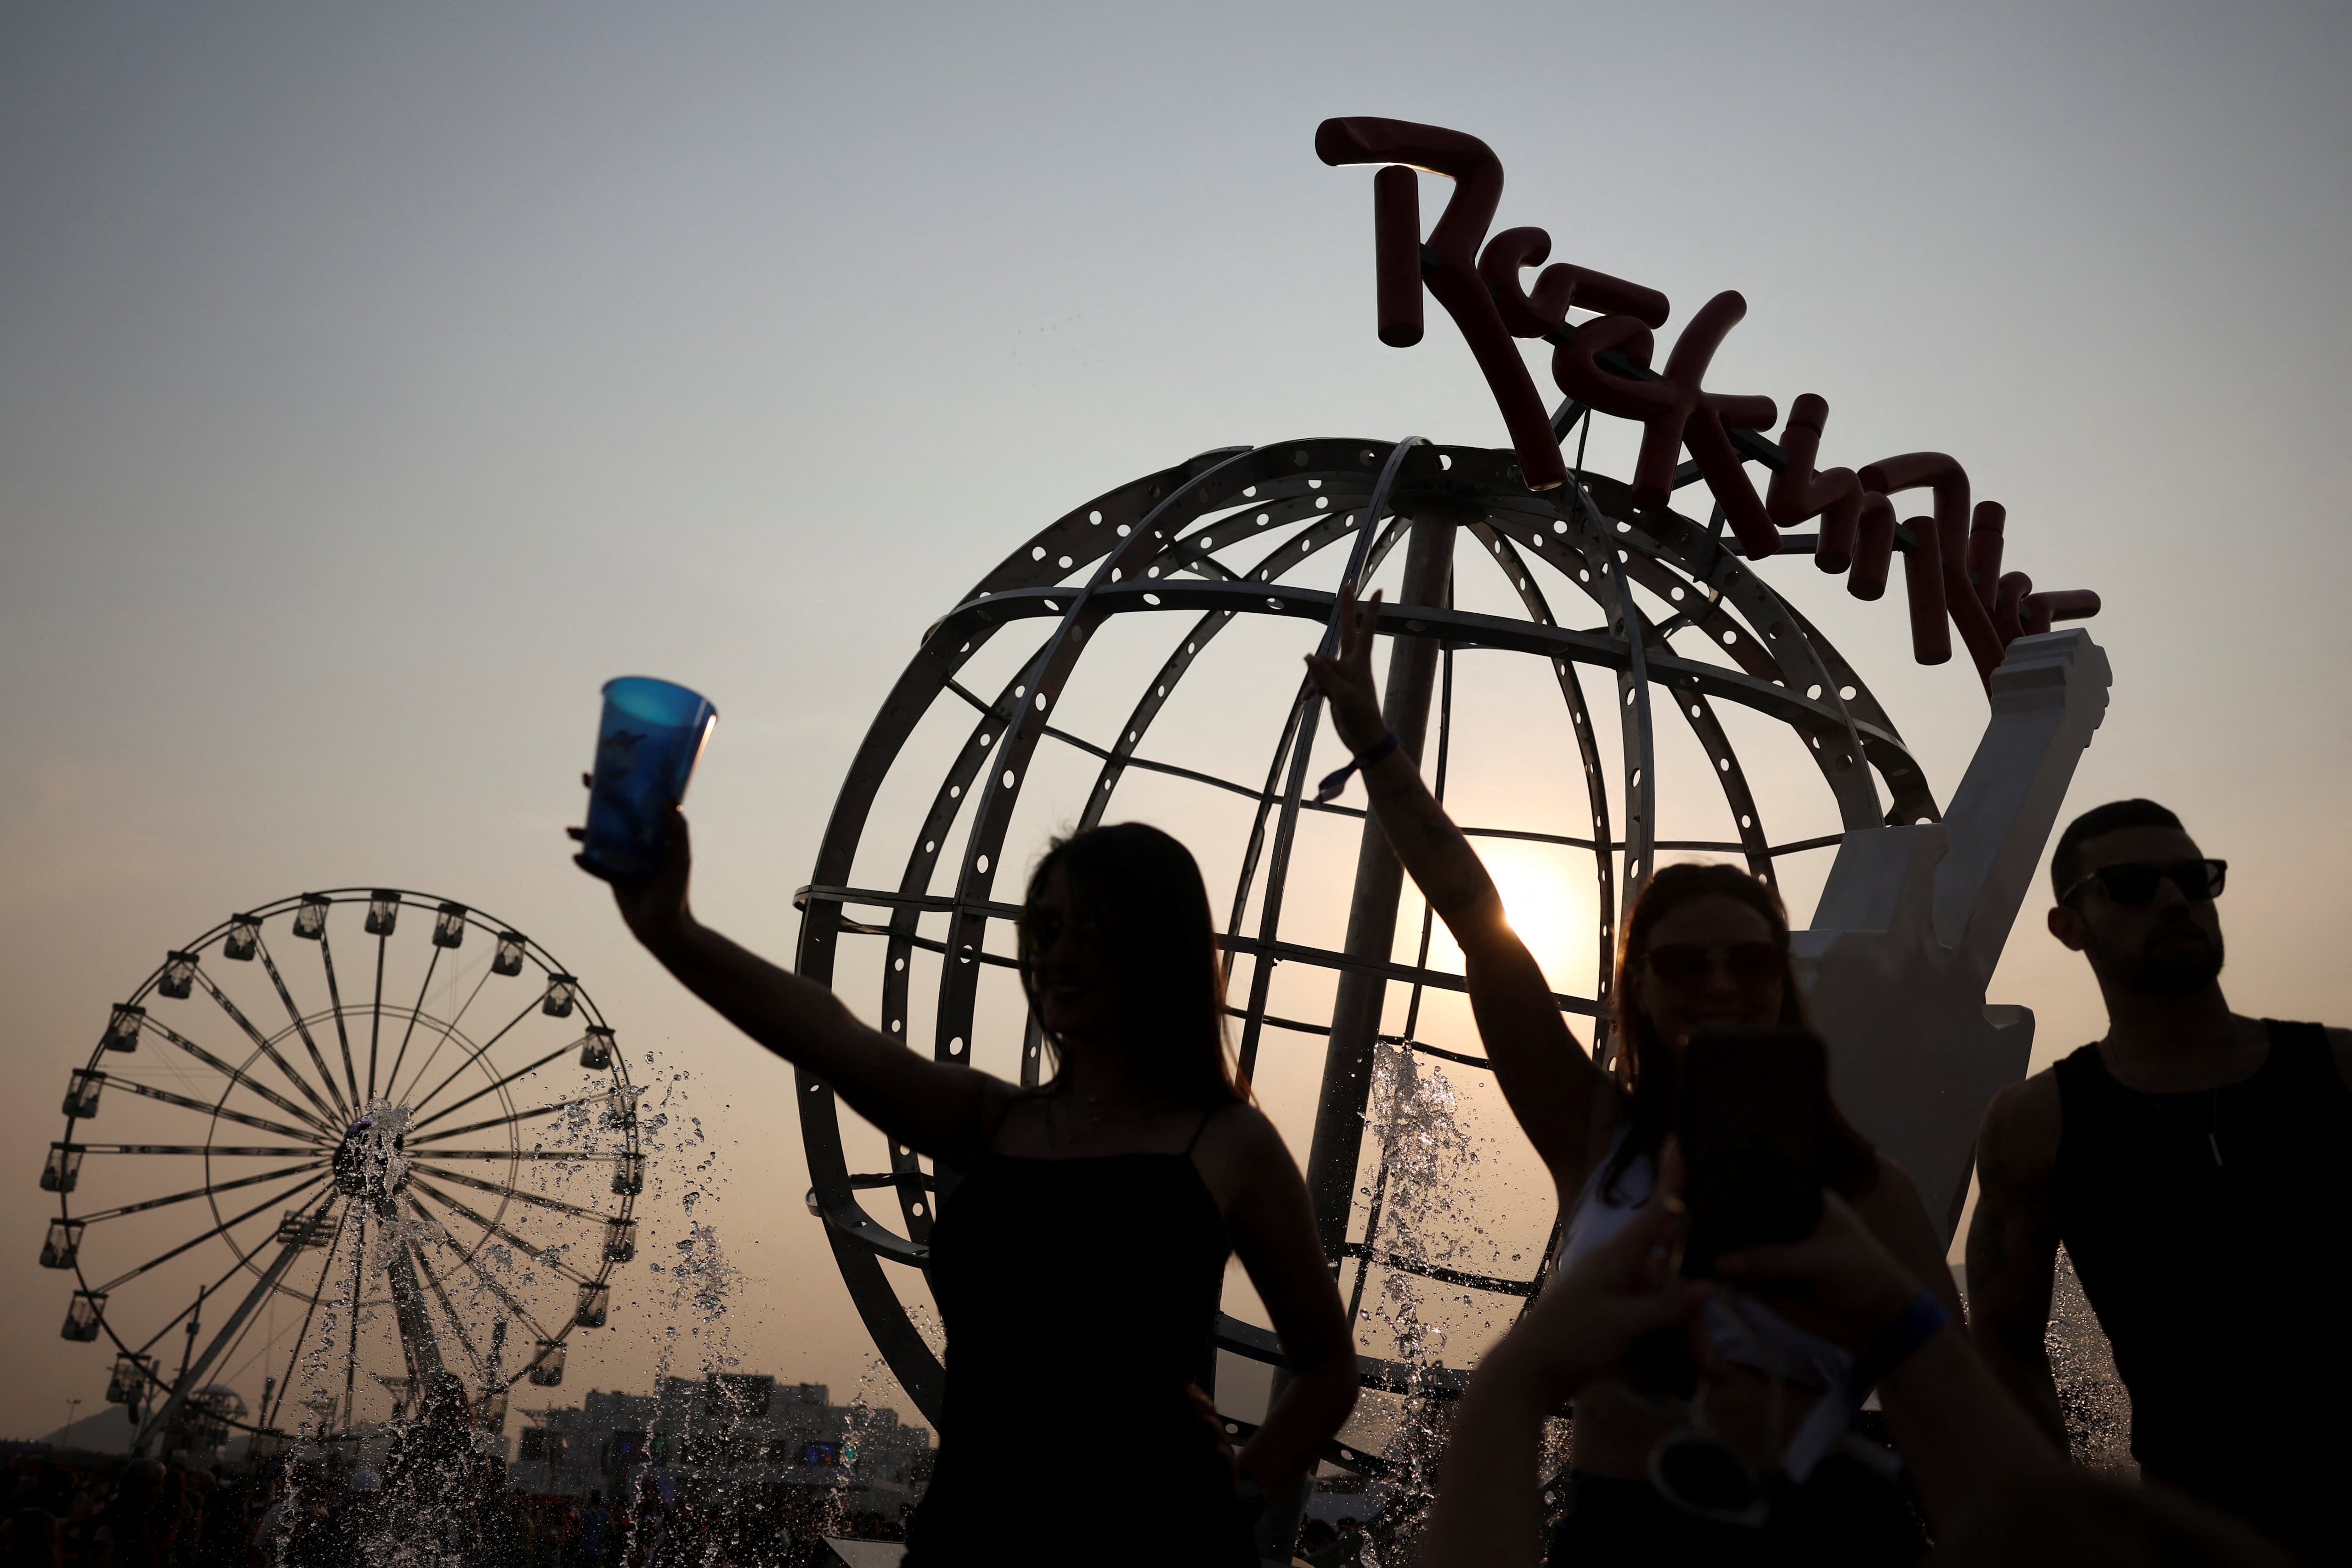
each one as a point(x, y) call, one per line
point(1206, 1117)
point(988, 1143)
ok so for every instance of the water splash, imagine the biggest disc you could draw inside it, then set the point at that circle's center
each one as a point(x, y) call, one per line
point(421, 1486)
point(1424, 1213)
point(2083, 1364)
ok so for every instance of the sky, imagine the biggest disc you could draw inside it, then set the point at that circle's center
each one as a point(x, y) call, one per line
point(376, 382)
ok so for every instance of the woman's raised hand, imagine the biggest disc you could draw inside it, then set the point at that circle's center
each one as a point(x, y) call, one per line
point(1345, 680)
point(654, 907)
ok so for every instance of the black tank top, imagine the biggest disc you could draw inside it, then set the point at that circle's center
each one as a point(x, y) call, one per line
point(2210, 1231)
point(1079, 1297)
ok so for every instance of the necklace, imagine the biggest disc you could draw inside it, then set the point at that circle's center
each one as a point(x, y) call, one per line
point(2212, 1111)
point(2212, 1121)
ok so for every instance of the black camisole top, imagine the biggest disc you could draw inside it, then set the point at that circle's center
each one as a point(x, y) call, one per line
point(1079, 1297)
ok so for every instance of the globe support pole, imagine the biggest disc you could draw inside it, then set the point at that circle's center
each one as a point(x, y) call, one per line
point(1338, 1138)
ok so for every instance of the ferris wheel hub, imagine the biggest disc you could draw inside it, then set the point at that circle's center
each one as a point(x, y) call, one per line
point(372, 1162)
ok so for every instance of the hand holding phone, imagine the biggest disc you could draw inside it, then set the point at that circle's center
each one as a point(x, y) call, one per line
point(1754, 1119)
point(1848, 1286)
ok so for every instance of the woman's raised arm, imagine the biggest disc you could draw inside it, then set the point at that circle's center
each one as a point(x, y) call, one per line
point(1563, 1104)
point(932, 1106)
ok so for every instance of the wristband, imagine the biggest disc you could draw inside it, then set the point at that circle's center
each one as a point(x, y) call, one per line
point(1328, 790)
point(1830, 1418)
point(1918, 1324)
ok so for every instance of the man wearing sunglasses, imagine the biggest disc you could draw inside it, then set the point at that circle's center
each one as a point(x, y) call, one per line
point(2197, 1166)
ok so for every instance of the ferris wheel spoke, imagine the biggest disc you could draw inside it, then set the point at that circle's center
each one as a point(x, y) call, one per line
point(441, 1294)
point(181, 1316)
point(145, 1205)
point(475, 1055)
point(343, 1112)
point(414, 1013)
point(192, 1149)
point(424, 1067)
point(166, 1096)
point(310, 1310)
point(236, 1075)
point(503, 1121)
point(531, 1248)
point(375, 1012)
point(512, 1155)
point(509, 1077)
point(519, 1312)
point(342, 1029)
point(448, 1032)
point(226, 1370)
point(458, 1017)
point(504, 1190)
point(223, 1229)
point(261, 1041)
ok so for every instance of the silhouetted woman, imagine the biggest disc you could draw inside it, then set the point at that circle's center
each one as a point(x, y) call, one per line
point(1078, 1269)
point(1704, 947)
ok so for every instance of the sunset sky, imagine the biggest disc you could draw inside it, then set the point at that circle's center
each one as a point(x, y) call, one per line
point(377, 381)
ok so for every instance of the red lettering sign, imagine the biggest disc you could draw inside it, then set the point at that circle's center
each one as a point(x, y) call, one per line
point(1952, 573)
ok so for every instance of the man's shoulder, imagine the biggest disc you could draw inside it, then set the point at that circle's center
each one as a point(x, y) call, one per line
point(2019, 1137)
point(2340, 1042)
point(2027, 1100)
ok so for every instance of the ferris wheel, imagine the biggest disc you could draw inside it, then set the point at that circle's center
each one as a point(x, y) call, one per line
point(417, 1170)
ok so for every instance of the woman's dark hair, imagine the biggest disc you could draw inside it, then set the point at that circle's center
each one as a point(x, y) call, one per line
point(1146, 891)
point(1645, 1066)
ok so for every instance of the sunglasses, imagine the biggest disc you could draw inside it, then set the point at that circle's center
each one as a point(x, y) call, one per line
point(1751, 965)
point(1040, 928)
point(2130, 883)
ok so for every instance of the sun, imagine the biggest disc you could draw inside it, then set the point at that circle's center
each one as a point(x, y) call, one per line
point(1540, 900)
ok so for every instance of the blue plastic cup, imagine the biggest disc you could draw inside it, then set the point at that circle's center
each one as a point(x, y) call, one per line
point(647, 742)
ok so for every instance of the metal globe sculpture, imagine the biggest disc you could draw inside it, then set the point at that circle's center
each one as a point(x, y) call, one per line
point(1064, 662)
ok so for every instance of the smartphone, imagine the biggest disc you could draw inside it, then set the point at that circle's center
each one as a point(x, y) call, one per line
point(1754, 1118)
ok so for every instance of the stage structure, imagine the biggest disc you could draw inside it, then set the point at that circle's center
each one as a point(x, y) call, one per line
point(294, 1227)
point(1643, 613)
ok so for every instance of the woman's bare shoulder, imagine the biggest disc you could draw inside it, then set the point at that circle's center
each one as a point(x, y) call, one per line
point(1893, 1193)
point(994, 1113)
point(1240, 1148)
point(1240, 1129)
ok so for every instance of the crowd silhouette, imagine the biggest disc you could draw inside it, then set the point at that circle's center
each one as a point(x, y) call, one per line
point(1748, 1325)
point(1716, 1348)
point(279, 1513)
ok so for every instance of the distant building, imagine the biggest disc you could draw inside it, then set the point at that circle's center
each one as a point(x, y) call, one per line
point(731, 1429)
